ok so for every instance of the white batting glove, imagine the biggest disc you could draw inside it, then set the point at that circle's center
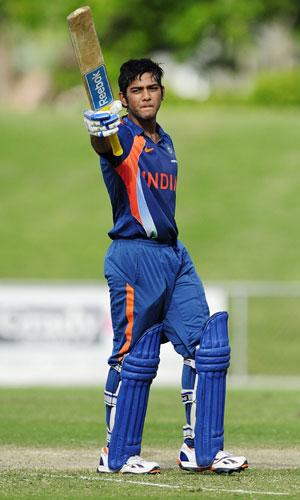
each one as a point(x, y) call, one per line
point(103, 123)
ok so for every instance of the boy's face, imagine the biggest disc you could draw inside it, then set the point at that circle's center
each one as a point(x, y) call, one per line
point(143, 97)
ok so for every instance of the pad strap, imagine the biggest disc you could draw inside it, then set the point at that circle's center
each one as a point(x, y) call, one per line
point(110, 397)
point(138, 370)
point(189, 362)
point(188, 432)
point(188, 398)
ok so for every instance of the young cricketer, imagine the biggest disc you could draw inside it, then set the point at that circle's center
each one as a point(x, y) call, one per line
point(155, 292)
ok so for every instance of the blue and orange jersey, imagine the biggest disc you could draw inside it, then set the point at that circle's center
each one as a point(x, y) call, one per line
point(142, 185)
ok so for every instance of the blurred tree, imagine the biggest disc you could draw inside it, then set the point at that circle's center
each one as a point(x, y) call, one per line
point(137, 28)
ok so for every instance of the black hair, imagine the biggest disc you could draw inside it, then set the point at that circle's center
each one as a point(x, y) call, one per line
point(135, 68)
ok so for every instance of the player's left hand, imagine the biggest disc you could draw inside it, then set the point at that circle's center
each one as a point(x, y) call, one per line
point(103, 123)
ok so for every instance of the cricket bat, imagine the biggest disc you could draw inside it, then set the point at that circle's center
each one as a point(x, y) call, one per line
point(91, 64)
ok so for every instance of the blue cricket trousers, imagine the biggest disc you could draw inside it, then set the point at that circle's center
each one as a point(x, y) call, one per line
point(151, 282)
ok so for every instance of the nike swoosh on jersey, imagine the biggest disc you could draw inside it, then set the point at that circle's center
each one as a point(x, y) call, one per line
point(148, 150)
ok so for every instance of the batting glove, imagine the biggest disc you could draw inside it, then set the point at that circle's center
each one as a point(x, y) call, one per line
point(103, 123)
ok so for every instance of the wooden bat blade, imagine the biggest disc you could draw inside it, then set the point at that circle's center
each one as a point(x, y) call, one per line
point(85, 40)
point(91, 63)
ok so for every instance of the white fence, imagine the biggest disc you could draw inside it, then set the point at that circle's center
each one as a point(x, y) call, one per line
point(239, 296)
point(60, 333)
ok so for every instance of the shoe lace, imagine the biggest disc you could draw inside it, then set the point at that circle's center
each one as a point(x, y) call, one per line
point(135, 459)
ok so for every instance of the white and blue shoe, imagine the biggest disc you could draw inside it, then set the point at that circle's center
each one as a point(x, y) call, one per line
point(224, 462)
point(134, 465)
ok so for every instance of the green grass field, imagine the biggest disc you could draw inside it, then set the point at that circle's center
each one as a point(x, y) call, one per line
point(237, 207)
point(50, 439)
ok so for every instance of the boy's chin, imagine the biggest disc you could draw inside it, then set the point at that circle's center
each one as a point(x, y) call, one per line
point(147, 114)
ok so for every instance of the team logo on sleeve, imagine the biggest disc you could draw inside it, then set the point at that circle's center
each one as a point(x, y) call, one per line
point(169, 149)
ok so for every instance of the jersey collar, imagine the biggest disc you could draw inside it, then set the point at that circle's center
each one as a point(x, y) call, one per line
point(137, 130)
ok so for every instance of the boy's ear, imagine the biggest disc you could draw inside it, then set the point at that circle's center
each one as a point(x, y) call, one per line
point(123, 100)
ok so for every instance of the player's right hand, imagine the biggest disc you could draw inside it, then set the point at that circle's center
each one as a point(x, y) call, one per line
point(103, 123)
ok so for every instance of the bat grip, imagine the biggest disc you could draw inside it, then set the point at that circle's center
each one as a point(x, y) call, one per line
point(115, 144)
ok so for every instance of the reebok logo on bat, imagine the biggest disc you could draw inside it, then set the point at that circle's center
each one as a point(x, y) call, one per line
point(99, 87)
point(148, 150)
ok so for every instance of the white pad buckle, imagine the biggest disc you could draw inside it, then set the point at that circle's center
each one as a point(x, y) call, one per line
point(188, 396)
point(189, 362)
point(188, 432)
point(110, 398)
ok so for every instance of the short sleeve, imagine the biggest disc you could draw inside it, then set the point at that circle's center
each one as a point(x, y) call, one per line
point(126, 140)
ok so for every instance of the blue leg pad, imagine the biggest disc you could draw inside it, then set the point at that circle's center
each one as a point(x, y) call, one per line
point(138, 370)
point(212, 361)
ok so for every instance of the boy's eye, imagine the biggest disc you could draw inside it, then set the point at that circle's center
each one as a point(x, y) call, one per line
point(138, 90)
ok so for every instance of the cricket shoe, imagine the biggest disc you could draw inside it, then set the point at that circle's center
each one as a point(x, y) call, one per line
point(134, 465)
point(224, 462)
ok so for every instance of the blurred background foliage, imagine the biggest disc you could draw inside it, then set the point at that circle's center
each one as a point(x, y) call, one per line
point(227, 45)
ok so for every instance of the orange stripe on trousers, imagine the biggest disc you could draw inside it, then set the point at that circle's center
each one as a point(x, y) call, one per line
point(129, 316)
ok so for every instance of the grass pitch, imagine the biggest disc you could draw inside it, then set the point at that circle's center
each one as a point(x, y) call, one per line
point(50, 441)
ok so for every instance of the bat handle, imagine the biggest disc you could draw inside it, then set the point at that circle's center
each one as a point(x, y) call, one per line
point(115, 144)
